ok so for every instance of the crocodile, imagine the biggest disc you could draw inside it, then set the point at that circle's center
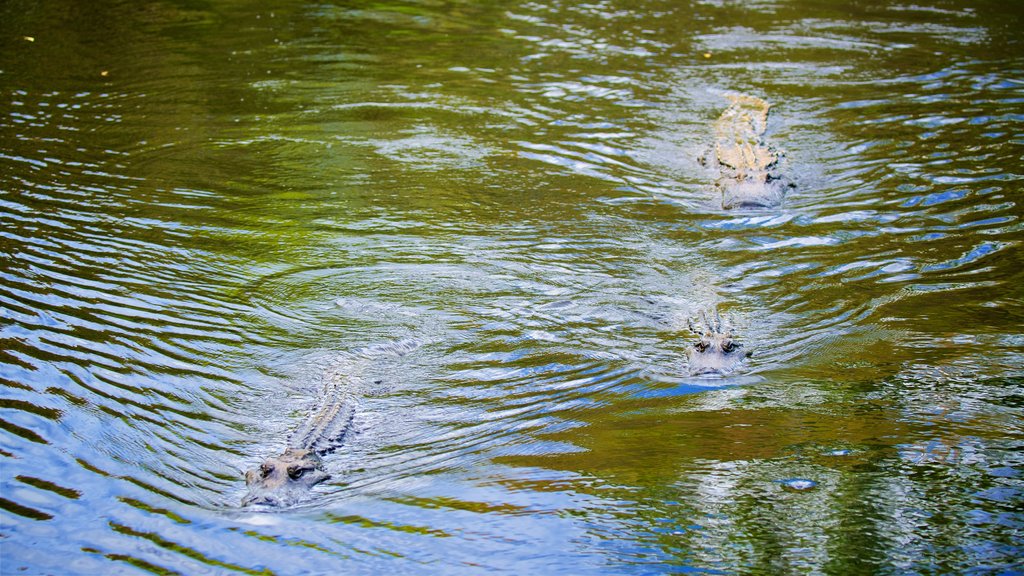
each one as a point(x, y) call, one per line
point(287, 478)
point(748, 166)
point(716, 351)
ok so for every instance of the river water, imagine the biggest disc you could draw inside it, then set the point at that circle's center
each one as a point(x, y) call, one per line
point(206, 207)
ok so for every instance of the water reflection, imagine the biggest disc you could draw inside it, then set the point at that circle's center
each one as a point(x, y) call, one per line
point(207, 209)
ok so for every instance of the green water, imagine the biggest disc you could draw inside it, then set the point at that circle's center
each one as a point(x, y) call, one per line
point(206, 207)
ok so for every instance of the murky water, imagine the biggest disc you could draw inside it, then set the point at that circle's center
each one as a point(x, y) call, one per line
point(206, 207)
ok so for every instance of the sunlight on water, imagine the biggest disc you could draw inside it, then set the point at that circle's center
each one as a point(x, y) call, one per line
point(491, 224)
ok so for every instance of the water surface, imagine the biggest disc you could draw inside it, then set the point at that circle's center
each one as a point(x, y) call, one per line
point(206, 207)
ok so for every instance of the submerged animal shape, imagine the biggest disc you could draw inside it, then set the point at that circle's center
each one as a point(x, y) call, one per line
point(748, 166)
point(287, 478)
point(716, 351)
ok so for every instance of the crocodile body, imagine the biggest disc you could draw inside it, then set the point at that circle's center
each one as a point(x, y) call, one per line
point(748, 166)
point(287, 478)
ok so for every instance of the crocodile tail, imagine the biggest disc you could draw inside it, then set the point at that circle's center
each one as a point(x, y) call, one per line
point(751, 108)
point(331, 417)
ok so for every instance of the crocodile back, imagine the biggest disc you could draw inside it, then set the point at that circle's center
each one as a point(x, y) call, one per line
point(330, 417)
point(344, 383)
point(738, 132)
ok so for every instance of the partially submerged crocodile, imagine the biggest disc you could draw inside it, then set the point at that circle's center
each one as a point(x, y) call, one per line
point(748, 166)
point(285, 479)
point(716, 351)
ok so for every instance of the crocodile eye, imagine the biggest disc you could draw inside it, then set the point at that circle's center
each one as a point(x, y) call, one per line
point(266, 469)
point(700, 347)
point(728, 347)
point(295, 472)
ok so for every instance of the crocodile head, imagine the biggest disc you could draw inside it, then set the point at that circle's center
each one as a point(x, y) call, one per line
point(284, 479)
point(758, 191)
point(716, 352)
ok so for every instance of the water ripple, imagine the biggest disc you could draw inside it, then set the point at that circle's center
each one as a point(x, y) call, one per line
point(206, 213)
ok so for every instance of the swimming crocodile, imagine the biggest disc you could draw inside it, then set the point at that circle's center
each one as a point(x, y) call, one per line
point(716, 351)
point(748, 166)
point(285, 479)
